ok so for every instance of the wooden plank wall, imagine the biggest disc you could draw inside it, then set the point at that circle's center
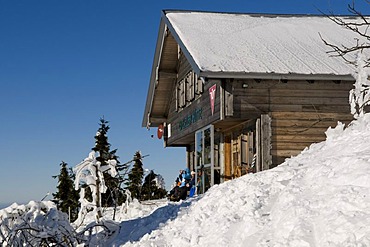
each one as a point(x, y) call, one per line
point(251, 96)
point(294, 131)
point(301, 111)
point(184, 67)
point(175, 115)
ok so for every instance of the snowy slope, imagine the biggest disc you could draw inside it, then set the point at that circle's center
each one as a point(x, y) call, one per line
point(319, 198)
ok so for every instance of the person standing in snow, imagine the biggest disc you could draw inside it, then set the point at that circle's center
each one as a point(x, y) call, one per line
point(202, 182)
point(192, 180)
point(192, 187)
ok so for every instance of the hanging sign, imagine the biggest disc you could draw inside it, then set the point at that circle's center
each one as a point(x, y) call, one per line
point(212, 96)
point(160, 131)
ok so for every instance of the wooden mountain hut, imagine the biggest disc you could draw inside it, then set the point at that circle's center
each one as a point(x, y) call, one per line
point(243, 92)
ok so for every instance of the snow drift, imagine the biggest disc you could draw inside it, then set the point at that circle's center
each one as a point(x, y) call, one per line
point(319, 198)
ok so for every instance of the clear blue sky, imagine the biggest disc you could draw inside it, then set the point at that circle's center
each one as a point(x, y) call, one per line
point(64, 64)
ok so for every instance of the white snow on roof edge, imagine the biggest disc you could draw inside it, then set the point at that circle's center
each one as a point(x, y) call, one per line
point(243, 43)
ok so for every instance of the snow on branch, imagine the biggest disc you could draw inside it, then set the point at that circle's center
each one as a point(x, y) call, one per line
point(356, 54)
point(35, 224)
point(359, 96)
point(90, 173)
point(359, 26)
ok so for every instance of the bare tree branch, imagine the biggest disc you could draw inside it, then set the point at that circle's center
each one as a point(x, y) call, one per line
point(359, 25)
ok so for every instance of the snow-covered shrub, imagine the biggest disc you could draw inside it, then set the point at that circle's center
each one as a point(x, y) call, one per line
point(99, 233)
point(41, 224)
point(35, 224)
point(90, 172)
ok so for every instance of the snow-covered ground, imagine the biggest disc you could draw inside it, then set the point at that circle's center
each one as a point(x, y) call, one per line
point(319, 198)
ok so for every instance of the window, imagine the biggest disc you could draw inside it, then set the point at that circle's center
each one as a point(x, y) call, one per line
point(198, 85)
point(188, 89)
point(181, 94)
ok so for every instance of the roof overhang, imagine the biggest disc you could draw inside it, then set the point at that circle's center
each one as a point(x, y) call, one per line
point(274, 76)
point(157, 77)
point(153, 77)
point(164, 27)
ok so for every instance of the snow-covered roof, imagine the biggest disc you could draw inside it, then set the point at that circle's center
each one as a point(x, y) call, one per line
point(259, 44)
point(236, 45)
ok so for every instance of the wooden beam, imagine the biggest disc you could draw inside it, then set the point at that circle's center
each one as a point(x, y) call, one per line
point(266, 157)
point(285, 153)
point(167, 74)
point(258, 145)
point(157, 119)
point(311, 115)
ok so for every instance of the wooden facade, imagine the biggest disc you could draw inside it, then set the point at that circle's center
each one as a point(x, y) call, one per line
point(283, 117)
point(256, 121)
point(300, 111)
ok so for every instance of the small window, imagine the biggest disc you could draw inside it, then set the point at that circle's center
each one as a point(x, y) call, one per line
point(198, 85)
point(190, 87)
point(181, 93)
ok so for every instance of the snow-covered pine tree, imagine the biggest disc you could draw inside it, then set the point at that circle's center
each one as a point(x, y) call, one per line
point(135, 177)
point(97, 176)
point(151, 189)
point(114, 194)
point(66, 197)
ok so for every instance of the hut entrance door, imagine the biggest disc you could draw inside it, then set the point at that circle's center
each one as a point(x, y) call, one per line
point(204, 158)
point(227, 157)
point(239, 153)
point(242, 153)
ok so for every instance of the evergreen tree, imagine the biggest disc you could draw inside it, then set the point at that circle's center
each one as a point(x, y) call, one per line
point(66, 197)
point(114, 194)
point(135, 177)
point(150, 189)
point(123, 171)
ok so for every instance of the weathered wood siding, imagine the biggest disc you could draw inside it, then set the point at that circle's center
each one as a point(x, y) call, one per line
point(301, 111)
point(184, 121)
point(184, 67)
point(181, 131)
point(266, 96)
point(294, 131)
